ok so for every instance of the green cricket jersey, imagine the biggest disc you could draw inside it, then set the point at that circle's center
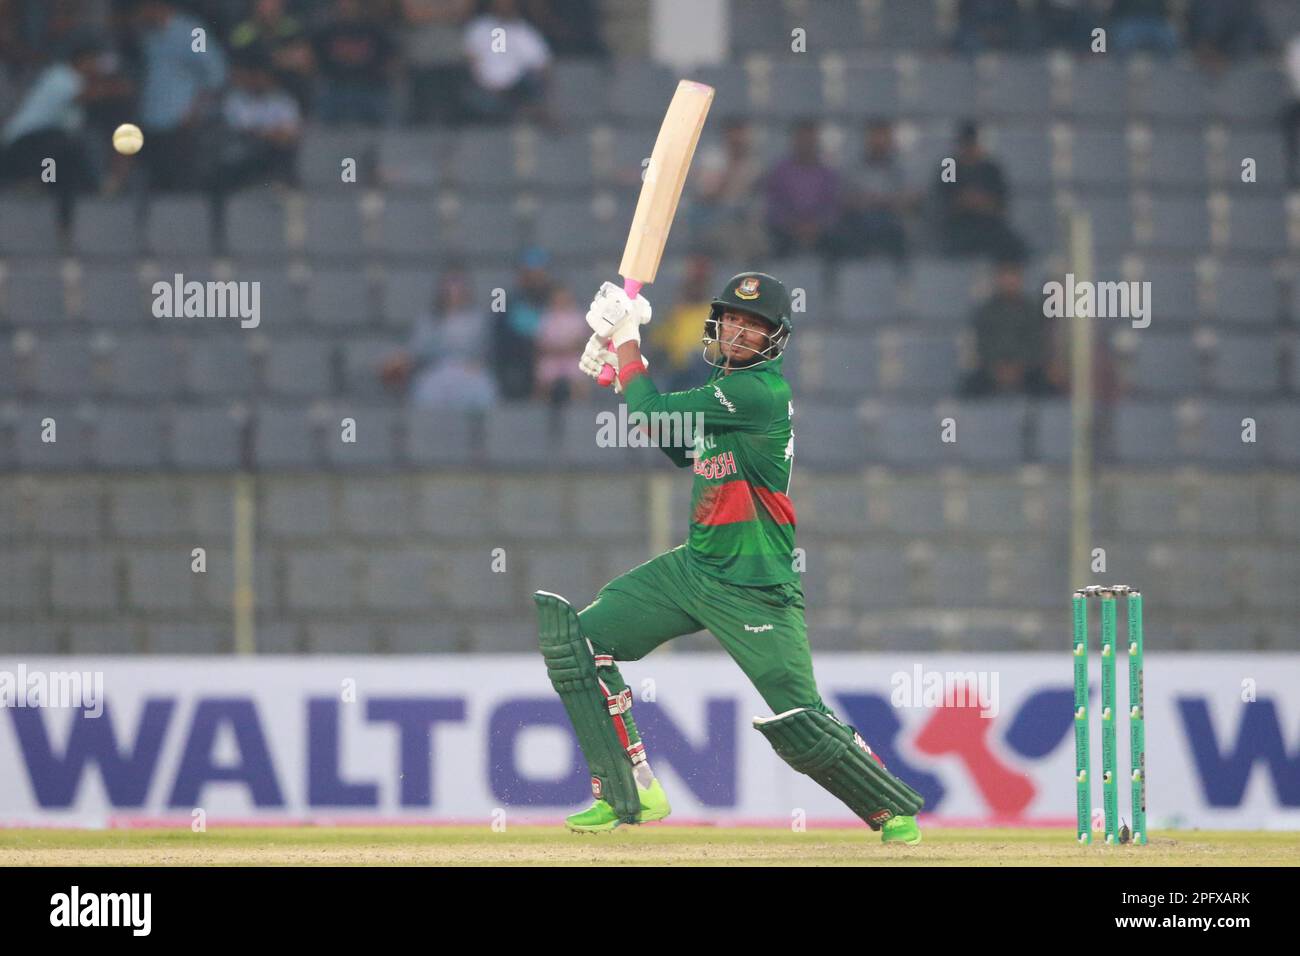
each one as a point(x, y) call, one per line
point(742, 519)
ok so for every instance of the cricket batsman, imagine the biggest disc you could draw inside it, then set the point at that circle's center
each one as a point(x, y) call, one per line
point(734, 576)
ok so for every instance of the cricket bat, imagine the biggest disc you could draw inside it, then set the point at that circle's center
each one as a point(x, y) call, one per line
point(661, 189)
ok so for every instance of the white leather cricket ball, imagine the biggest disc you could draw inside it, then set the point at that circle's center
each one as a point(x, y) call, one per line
point(127, 139)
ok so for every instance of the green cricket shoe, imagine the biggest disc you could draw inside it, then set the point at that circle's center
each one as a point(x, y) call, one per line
point(600, 815)
point(901, 830)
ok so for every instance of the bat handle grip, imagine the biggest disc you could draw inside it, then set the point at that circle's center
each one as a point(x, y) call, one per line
point(632, 288)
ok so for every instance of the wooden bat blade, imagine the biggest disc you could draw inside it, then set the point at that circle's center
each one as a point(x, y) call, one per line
point(664, 177)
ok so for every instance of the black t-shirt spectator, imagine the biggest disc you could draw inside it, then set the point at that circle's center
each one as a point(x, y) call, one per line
point(353, 51)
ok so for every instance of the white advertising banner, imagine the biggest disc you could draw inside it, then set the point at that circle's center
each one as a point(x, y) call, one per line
point(987, 739)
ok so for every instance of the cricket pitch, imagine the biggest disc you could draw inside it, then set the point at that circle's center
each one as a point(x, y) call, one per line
point(652, 845)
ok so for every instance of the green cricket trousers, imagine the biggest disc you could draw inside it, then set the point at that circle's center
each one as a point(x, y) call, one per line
point(762, 628)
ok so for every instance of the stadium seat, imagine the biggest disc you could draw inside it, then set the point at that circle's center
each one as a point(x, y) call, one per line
point(1178, 160)
point(35, 295)
point(562, 162)
point(578, 90)
point(1144, 433)
point(179, 225)
point(206, 438)
point(517, 435)
point(1245, 365)
point(376, 441)
point(909, 24)
point(64, 367)
point(945, 87)
point(341, 298)
point(334, 227)
point(107, 228)
point(961, 577)
point(906, 435)
point(1247, 293)
point(871, 90)
point(796, 92)
point(828, 436)
point(1015, 86)
point(1256, 226)
point(1171, 93)
point(285, 437)
point(946, 290)
point(128, 438)
point(219, 367)
point(990, 432)
point(256, 226)
point(1179, 224)
point(145, 366)
point(1265, 147)
point(1250, 94)
point(1099, 90)
point(412, 161)
point(927, 364)
point(1163, 365)
point(866, 293)
point(411, 229)
point(484, 160)
point(1099, 159)
point(28, 227)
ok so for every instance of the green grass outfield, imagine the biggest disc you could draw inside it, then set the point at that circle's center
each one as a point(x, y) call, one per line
point(649, 845)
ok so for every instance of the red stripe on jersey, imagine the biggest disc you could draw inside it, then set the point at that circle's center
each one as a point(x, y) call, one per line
point(778, 505)
point(733, 502)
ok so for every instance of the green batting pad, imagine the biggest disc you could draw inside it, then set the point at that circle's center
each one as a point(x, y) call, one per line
point(572, 670)
point(825, 749)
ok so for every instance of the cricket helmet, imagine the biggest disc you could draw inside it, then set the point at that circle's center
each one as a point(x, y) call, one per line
point(757, 294)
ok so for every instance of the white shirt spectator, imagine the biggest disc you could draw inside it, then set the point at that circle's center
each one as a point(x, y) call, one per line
point(518, 50)
point(52, 103)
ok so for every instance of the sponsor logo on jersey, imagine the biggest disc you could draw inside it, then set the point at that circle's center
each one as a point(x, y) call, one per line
point(727, 403)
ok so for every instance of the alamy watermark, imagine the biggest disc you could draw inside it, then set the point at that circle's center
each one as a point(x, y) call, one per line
point(82, 690)
point(1103, 300)
point(922, 688)
point(179, 299)
point(624, 429)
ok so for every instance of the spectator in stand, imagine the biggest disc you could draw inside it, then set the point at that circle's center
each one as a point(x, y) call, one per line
point(514, 338)
point(444, 365)
point(354, 52)
point(1222, 30)
point(1014, 348)
point(562, 332)
point(571, 27)
point(284, 38)
point(876, 196)
point(1142, 25)
point(725, 214)
point(263, 125)
point(508, 63)
point(984, 25)
point(178, 94)
point(435, 57)
point(50, 121)
point(1291, 115)
point(803, 198)
point(678, 337)
point(973, 210)
point(34, 32)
